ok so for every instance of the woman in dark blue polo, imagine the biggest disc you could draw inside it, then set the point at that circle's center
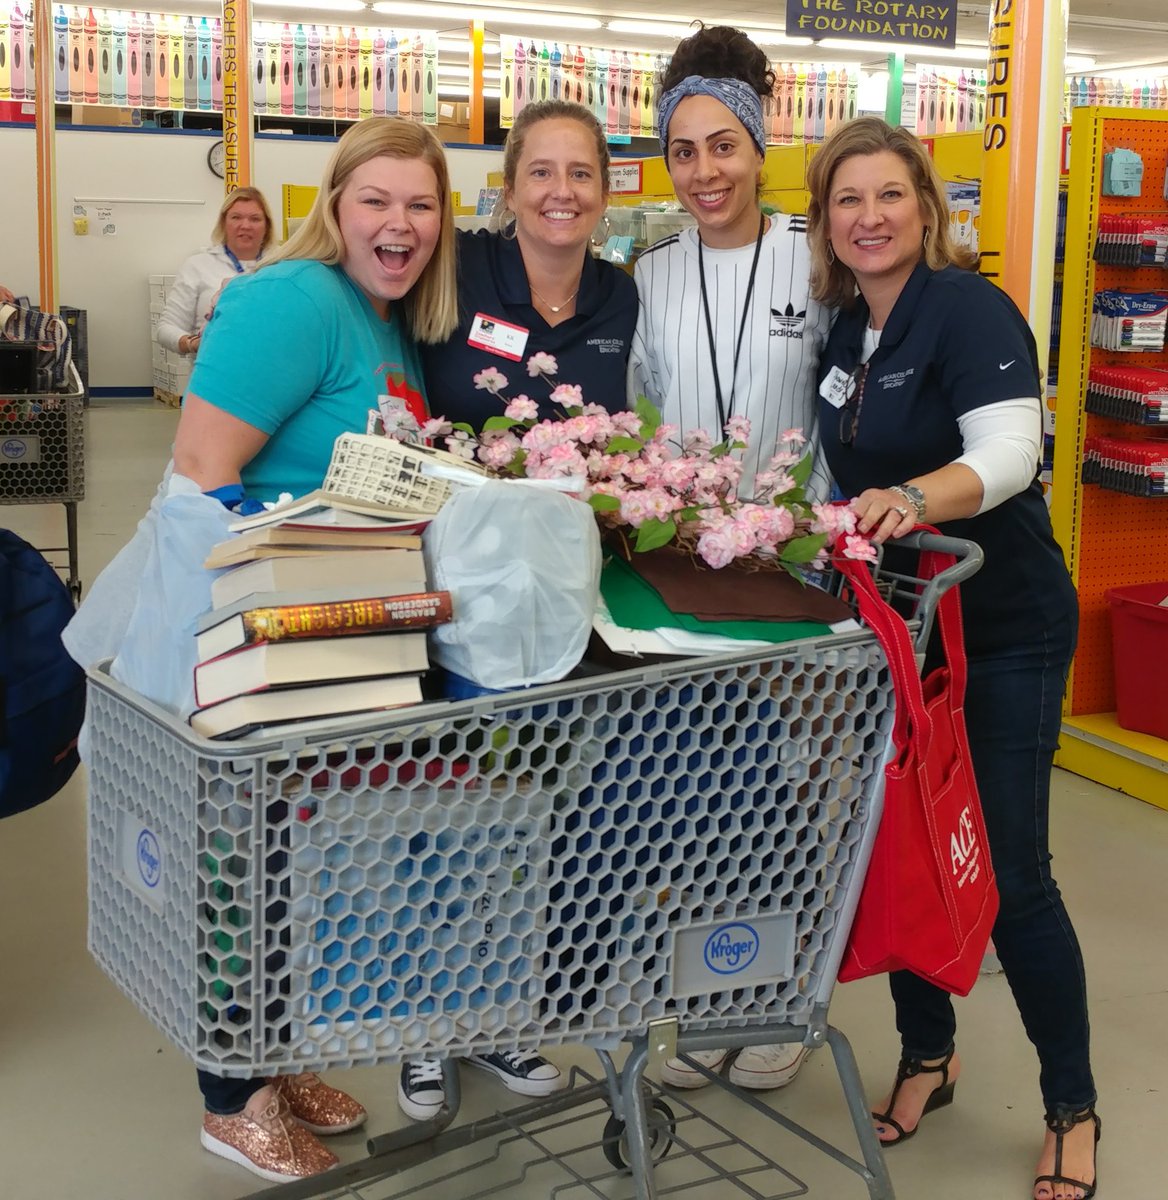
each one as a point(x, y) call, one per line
point(535, 287)
point(929, 410)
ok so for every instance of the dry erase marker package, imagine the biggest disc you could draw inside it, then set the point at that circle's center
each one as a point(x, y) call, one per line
point(1129, 321)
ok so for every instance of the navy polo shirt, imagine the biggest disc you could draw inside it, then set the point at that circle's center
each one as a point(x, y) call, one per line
point(591, 347)
point(953, 343)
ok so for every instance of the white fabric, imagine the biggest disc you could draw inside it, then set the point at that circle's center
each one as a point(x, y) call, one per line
point(1002, 442)
point(1002, 445)
point(785, 334)
point(194, 290)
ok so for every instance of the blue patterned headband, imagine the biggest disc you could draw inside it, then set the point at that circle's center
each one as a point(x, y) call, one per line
point(740, 98)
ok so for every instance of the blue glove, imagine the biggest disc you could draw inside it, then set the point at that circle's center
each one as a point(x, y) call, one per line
point(231, 496)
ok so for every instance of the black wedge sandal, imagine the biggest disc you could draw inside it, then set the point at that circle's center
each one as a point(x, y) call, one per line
point(1060, 1121)
point(938, 1098)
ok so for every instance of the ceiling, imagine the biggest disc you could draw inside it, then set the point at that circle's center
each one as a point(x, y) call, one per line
point(1117, 34)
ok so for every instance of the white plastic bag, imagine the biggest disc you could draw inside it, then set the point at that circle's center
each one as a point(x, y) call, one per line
point(142, 608)
point(523, 567)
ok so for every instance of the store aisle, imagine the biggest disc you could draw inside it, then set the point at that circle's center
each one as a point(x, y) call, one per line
point(95, 1105)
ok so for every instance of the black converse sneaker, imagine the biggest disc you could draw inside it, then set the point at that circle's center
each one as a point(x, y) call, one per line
point(420, 1093)
point(522, 1071)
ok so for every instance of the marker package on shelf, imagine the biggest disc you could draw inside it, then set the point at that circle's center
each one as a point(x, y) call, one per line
point(1129, 321)
point(1137, 395)
point(1137, 468)
point(1132, 241)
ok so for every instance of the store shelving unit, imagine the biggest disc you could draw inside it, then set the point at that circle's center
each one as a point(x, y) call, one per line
point(1110, 539)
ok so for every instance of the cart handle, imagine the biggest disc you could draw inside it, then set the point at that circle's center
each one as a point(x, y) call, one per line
point(969, 558)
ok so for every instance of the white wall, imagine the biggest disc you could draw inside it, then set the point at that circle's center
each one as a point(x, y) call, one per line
point(106, 275)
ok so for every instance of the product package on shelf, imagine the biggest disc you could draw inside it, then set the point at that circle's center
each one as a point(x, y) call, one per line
point(1137, 468)
point(1129, 321)
point(1132, 241)
point(1137, 395)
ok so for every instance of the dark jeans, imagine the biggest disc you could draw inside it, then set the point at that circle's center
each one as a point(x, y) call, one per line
point(1012, 711)
point(225, 1097)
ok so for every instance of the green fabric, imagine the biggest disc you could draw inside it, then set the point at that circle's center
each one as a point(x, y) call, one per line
point(634, 604)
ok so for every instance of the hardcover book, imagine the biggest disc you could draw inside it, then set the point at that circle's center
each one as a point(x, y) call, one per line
point(376, 570)
point(329, 508)
point(279, 706)
point(339, 618)
point(322, 660)
point(279, 541)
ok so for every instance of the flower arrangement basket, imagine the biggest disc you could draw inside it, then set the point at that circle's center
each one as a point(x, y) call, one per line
point(380, 470)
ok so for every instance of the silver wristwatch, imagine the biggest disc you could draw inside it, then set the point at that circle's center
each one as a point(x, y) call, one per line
point(913, 495)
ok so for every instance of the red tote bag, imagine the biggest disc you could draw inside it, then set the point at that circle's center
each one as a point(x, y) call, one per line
point(929, 899)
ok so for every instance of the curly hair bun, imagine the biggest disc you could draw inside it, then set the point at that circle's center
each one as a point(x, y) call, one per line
point(720, 52)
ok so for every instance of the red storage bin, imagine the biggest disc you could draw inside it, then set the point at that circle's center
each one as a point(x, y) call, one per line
point(1139, 635)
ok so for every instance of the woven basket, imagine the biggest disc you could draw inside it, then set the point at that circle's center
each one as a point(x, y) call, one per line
point(380, 470)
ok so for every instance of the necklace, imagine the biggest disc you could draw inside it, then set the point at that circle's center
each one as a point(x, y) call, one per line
point(554, 307)
point(722, 413)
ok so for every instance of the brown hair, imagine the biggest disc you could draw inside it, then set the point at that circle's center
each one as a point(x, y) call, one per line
point(720, 52)
point(219, 233)
point(833, 283)
point(431, 306)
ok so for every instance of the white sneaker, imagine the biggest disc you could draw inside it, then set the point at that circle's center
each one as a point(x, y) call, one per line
point(678, 1074)
point(420, 1093)
point(762, 1068)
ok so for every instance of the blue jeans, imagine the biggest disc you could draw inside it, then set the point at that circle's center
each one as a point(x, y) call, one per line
point(225, 1097)
point(1012, 711)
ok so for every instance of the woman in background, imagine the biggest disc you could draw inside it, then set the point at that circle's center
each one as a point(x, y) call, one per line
point(295, 355)
point(930, 411)
point(535, 286)
point(242, 233)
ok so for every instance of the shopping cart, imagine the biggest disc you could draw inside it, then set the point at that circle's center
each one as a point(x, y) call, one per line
point(42, 458)
point(668, 857)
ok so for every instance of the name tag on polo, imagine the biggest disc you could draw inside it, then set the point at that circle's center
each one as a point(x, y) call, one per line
point(497, 337)
point(834, 388)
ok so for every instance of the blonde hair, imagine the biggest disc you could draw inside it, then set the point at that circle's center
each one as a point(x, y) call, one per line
point(219, 233)
point(833, 283)
point(431, 305)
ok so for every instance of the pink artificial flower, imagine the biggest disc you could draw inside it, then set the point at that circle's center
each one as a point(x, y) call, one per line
point(490, 379)
point(738, 429)
point(859, 548)
point(460, 445)
point(497, 452)
point(793, 437)
point(542, 364)
point(833, 519)
point(556, 462)
point(436, 427)
point(696, 441)
point(522, 408)
point(568, 395)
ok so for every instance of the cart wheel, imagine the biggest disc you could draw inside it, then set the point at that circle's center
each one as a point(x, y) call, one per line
point(75, 591)
point(662, 1124)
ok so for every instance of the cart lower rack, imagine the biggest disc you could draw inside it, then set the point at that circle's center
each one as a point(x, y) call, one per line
point(631, 857)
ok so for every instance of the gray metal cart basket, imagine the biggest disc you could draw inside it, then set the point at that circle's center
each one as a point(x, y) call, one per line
point(42, 458)
point(669, 853)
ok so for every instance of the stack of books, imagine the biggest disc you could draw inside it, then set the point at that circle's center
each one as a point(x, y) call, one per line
point(313, 619)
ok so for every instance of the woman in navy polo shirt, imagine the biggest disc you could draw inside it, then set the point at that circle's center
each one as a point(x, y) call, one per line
point(535, 286)
point(929, 410)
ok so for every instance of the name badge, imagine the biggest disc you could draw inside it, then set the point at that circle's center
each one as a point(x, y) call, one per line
point(834, 388)
point(497, 337)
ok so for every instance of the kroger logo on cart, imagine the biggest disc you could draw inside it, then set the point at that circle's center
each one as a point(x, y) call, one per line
point(14, 448)
point(149, 858)
point(731, 948)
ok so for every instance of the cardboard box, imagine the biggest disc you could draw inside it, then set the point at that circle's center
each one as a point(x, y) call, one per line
point(104, 114)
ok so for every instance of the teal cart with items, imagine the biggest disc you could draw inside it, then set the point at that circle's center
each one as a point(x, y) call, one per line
point(667, 858)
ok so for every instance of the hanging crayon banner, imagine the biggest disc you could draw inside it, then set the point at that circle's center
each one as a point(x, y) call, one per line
point(810, 101)
point(152, 60)
point(886, 21)
point(949, 99)
point(1105, 92)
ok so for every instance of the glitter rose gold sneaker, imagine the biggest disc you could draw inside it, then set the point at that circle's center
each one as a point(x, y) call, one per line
point(317, 1106)
point(269, 1143)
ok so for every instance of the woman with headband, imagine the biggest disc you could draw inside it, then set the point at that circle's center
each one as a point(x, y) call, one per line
point(726, 325)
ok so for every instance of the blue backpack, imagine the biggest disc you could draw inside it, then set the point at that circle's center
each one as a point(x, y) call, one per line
point(42, 690)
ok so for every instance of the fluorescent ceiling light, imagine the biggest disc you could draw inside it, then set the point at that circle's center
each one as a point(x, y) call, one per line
point(658, 29)
point(489, 16)
point(319, 5)
point(1078, 62)
point(458, 71)
point(970, 54)
point(776, 37)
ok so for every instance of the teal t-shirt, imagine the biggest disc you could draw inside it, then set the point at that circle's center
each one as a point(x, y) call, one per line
point(297, 351)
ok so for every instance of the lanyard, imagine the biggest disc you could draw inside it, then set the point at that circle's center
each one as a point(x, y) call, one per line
point(235, 261)
point(722, 413)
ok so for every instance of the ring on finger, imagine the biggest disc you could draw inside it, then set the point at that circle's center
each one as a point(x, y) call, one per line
point(896, 508)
